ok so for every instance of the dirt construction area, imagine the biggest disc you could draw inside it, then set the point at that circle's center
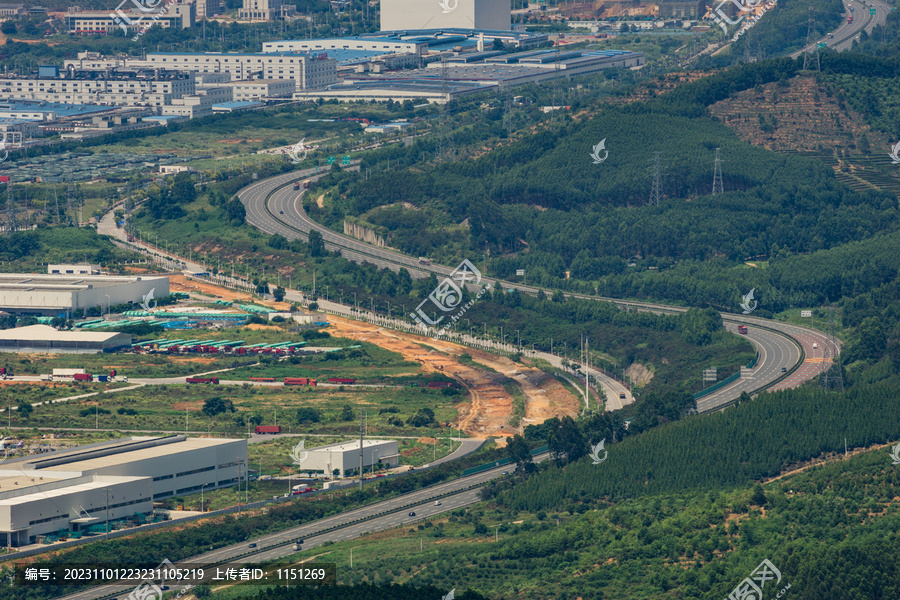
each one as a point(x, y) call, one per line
point(491, 406)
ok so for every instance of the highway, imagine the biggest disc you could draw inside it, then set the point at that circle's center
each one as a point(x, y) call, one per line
point(273, 206)
point(380, 516)
point(842, 38)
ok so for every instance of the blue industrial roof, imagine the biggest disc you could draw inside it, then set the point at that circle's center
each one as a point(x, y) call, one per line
point(61, 109)
point(238, 104)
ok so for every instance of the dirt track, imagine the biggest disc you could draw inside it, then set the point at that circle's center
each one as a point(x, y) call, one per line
point(491, 405)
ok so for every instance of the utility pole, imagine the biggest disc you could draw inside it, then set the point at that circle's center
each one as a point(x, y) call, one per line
point(361, 417)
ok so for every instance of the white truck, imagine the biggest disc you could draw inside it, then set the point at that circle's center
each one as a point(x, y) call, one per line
point(67, 372)
point(46, 377)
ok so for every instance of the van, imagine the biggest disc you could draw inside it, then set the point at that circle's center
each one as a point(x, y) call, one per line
point(815, 345)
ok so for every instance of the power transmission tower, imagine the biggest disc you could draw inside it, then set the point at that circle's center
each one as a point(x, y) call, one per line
point(718, 186)
point(443, 139)
point(70, 196)
point(56, 202)
point(832, 374)
point(810, 38)
point(507, 113)
point(657, 178)
point(10, 208)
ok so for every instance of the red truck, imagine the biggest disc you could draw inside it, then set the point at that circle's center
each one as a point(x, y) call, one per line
point(267, 379)
point(341, 380)
point(850, 19)
point(202, 380)
point(273, 429)
point(742, 329)
point(83, 377)
point(299, 381)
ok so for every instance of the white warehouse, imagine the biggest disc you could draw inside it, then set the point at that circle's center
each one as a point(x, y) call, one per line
point(59, 295)
point(74, 489)
point(342, 459)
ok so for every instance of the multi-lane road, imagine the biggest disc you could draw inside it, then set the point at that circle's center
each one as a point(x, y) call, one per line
point(383, 515)
point(273, 206)
point(843, 37)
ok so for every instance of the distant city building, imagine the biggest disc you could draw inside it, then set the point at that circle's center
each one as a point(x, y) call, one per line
point(266, 10)
point(397, 15)
point(11, 10)
point(178, 16)
point(681, 9)
point(207, 8)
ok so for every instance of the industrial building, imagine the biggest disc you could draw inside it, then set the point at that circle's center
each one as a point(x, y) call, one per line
point(306, 70)
point(73, 269)
point(118, 86)
point(59, 295)
point(342, 459)
point(481, 71)
point(46, 339)
point(84, 488)
point(415, 14)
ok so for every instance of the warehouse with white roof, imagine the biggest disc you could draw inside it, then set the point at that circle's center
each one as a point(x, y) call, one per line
point(91, 485)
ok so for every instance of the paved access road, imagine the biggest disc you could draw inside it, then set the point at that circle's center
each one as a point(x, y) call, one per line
point(274, 206)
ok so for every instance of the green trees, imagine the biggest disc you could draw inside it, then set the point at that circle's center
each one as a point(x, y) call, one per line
point(217, 405)
point(565, 441)
point(518, 451)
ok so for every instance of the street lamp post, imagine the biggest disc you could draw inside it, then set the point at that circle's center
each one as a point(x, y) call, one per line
point(201, 495)
point(107, 304)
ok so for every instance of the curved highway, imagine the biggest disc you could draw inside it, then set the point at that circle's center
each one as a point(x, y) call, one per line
point(273, 206)
point(842, 38)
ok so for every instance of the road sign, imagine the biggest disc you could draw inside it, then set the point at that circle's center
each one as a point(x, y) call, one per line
point(805, 313)
point(345, 160)
point(330, 160)
point(822, 45)
point(520, 272)
point(872, 11)
point(710, 374)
